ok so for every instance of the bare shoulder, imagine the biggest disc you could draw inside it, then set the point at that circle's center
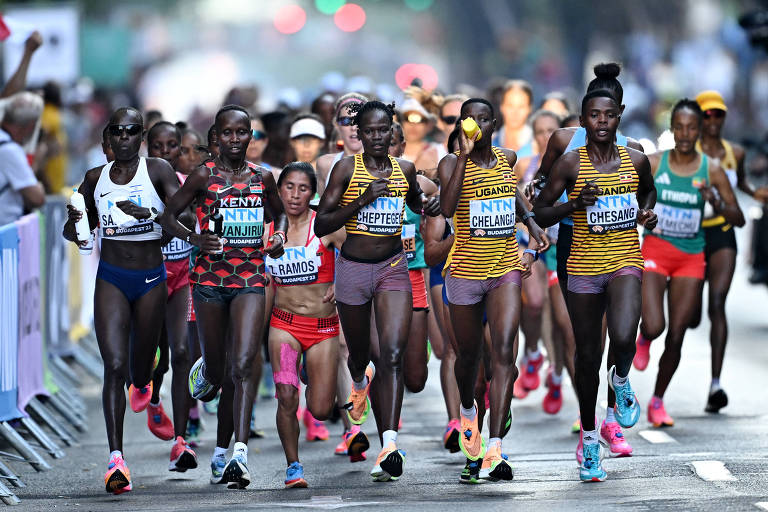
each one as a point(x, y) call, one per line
point(738, 151)
point(560, 139)
point(511, 156)
point(638, 157)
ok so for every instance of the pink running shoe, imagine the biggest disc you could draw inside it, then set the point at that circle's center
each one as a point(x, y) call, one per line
point(451, 436)
point(341, 448)
point(182, 456)
point(519, 391)
point(530, 376)
point(139, 397)
point(158, 422)
point(617, 443)
point(642, 353)
point(553, 400)
point(117, 480)
point(316, 430)
point(657, 415)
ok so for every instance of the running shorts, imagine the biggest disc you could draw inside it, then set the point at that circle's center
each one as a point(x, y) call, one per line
point(718, 237)
point(360, 281)
point(436, 275)
point(178, 275)
point(419, 290)
point(222, 294)
point(664, 258)
point(598, 283)
point(466, 292)
point(133, 283)
point(307, 331)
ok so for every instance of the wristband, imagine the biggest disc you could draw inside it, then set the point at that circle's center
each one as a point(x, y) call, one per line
point(528, 215)
point(534, 253)
point(282, 236)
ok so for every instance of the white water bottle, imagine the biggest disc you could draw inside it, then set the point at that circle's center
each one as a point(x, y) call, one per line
point(82, 227)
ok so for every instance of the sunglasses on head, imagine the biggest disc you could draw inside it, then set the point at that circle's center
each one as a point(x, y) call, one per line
point(345, 121)
point(714, 113)
point(258, 134)
point(450, 120)
point(131, 129)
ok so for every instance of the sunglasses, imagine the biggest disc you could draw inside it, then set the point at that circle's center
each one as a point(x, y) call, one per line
point(714, 113)
point(450, 120)
point(345, 121)
point(414, 117)
point(258, 134)
point(117, 130)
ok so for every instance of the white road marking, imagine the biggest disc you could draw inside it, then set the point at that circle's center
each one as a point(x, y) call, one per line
point(323, 502)
point(712, 470)
point(656, 436)
point(762, 504)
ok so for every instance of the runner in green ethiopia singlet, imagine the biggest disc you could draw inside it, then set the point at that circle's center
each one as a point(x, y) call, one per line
point(413, 244)
point(679, 206)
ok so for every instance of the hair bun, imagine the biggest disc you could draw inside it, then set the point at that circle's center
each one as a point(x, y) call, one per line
point(607, 70)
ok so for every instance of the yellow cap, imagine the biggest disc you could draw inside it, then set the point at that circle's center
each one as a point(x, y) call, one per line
point(711, 100)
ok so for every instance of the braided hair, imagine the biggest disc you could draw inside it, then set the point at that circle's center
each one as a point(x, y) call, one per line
point(359, 109)
point(688, 104)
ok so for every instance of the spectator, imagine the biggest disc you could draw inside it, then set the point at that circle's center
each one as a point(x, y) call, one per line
point(20, 189)
point(18, 80)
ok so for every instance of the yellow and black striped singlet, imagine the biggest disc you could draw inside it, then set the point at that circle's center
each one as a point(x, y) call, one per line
point(384, 216)
point(485, 245)
point(605, 236)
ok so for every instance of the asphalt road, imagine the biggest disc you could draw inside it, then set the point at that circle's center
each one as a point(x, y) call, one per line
point(704, 462)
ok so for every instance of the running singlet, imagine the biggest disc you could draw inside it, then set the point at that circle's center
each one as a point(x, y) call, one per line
point(384, 216)
point(177, 249)
point(310, 263)
point(241, 206)
point(413, 244)
point(139, 190)
point(728, 164)
point(679, 206)
point(485, 245)
point(605, 234)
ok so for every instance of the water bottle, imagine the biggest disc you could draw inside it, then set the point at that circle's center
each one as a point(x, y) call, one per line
point(216, 226)
point(82, 227)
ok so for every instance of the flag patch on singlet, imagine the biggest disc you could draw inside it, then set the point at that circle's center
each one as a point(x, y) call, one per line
point(625, 178)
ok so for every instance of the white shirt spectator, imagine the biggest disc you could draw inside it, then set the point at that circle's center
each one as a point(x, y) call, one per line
point(15, 174)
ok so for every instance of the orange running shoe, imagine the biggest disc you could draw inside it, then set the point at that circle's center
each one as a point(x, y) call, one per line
point(358, 404)
point(495, 466)
point(158, 422)
point(389, 464)
point(357, 443)
point(470, 440)
point(139, 397)
point(118, 478)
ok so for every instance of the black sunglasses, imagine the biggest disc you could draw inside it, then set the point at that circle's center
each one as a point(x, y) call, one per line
point(345, 121)
point(713, 113)
point(258, 134)
point(131, 129)
point(451, 120)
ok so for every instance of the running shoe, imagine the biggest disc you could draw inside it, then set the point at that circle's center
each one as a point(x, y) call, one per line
point(576, 427)
point(198, 386)
point(471, 473)
point(716, 401)
point(518, 390)
point(553, 400)
point(192, 434)
point(157, 359)
point(158, 422)
point(217, 469)
point(118, 478)
point(495, 466)
point(614, 438)
point(429, 351)
point(255, 432)
point(627, 409)
point(591, 470)
point(182, 456)
point(507, 423)
point(357, 443)
point(139, 397)
point(580, 448)
point(451, 436)
point(389, 464)
point(530, 379)
point(294, 476)
point(657, 414)
point(341, 448)
point(471, 442)
point(359, 405)
point(236, 473)
point(642, 353)
point(316, 430)
point(212, 407)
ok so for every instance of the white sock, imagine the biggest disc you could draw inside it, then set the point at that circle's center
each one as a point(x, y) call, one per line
point(359, 386)
point(534, 355)
point(619, 381)
point(241, 449)
point(610, 417)
point(494, 441)
point(468, 413)
point(219, 452)
point(715, 386)
point(557, 378)
point(590, 437)
point(388, 436)
point(116, 453)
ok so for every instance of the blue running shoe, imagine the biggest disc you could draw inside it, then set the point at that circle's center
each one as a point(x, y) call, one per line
point(294, 476)
point(627, 409)
point(590, 470)
point(198, 386)
point(236, 473)
point(217, 469)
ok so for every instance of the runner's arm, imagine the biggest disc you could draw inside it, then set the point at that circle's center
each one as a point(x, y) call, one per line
point(180, 201)
point(646, 190)
point(436, 248)
point(560, 175)
point(86, 188)
point(727, 206)
point(331, 217)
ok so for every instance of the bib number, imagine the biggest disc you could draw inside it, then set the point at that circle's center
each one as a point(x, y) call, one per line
point(612, 213)
point(298, 265)
point(384, 216)
point(677, 222)
point(243, 227)
point(492, 218)
point(408, 236)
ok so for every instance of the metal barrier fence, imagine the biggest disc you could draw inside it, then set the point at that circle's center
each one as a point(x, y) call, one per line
point(40, 408)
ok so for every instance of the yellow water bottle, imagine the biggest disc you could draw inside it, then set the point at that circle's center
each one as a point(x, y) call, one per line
point(471, 129)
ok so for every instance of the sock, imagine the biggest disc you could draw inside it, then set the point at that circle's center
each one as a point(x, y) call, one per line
point(388, 436)
point(590, 437)
point(242, 450)
point(194, 413)
point(532, 356)
point(219, 452)
point(494, 441)
point(359, 386)
point(557, 378)
point(468, 413)
point(354, 429)
point(115, 453)
point(610, 417)
point(619, 381)
point(715, 386)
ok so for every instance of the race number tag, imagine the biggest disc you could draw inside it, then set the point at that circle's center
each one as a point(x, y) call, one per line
point(243, 221)
point(176, 249)
point(298, 265)
point(384, 216)
point(677, 222)
point(408, 237)
point(612, 213)
point(492, 218)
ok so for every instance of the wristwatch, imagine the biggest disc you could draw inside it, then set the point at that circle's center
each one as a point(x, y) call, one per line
point(527, 216)
point(153, 213)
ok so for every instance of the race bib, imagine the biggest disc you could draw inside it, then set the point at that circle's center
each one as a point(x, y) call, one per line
point(384, 216)
point(492, 218)
point(677, 222)
point(612, 213)
point(243, 227)
point(176, 249)
point(408, 236)
point(298, 265)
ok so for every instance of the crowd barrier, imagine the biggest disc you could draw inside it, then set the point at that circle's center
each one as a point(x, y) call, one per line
point(39, 404)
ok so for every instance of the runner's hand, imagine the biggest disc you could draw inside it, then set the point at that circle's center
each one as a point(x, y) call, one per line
point(377, 188)
point(535, 232)
point(134, 210)
point(74, 215)
point(530, 189)
point(587, 195)
point(275, 247)
point(466, 145)
point(646, 217)
point(207, 242)
point(330, 295)
point(430, 205)
point(707, 194)
point(527, 260)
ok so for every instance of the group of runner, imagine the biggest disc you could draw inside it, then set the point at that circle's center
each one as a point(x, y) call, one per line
point(351, 268)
